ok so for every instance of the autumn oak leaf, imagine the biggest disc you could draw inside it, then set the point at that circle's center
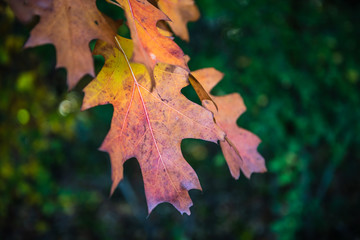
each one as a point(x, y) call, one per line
point(25, 10)
point(180, 13)
point(70, 26)
point(150, 46)
point(150, 125)
point(240, 145)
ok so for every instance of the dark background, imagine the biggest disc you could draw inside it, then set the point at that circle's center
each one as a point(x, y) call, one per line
point(295, 63)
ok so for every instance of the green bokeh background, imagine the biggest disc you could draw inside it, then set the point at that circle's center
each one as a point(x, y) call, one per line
point(295, 63)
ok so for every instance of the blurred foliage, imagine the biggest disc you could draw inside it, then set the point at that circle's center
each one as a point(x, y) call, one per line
point(296, 64)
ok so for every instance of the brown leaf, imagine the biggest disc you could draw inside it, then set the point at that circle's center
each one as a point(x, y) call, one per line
point(150, 125)
point(240, 145)
point(25, 10)
point(70, 26)
point(180, 12)
point(150, 46)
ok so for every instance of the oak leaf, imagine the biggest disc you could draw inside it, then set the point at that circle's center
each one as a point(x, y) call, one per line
point(70, 26)
point(25, 10)
point(240, 145)
point(180, 13)
point(150, 46)
point(150, 125)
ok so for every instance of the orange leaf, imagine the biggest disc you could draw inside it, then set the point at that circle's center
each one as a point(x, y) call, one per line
point(240, 147)
point(150, 125)
point(150, 46)
point(180, 12)
point(70, 26)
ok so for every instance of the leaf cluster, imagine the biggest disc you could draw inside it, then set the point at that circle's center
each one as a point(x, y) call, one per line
point(142, 78)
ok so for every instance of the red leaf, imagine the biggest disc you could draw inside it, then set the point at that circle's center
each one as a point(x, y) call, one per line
point(150, 125)
point(150, 46)
point(240, 145)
